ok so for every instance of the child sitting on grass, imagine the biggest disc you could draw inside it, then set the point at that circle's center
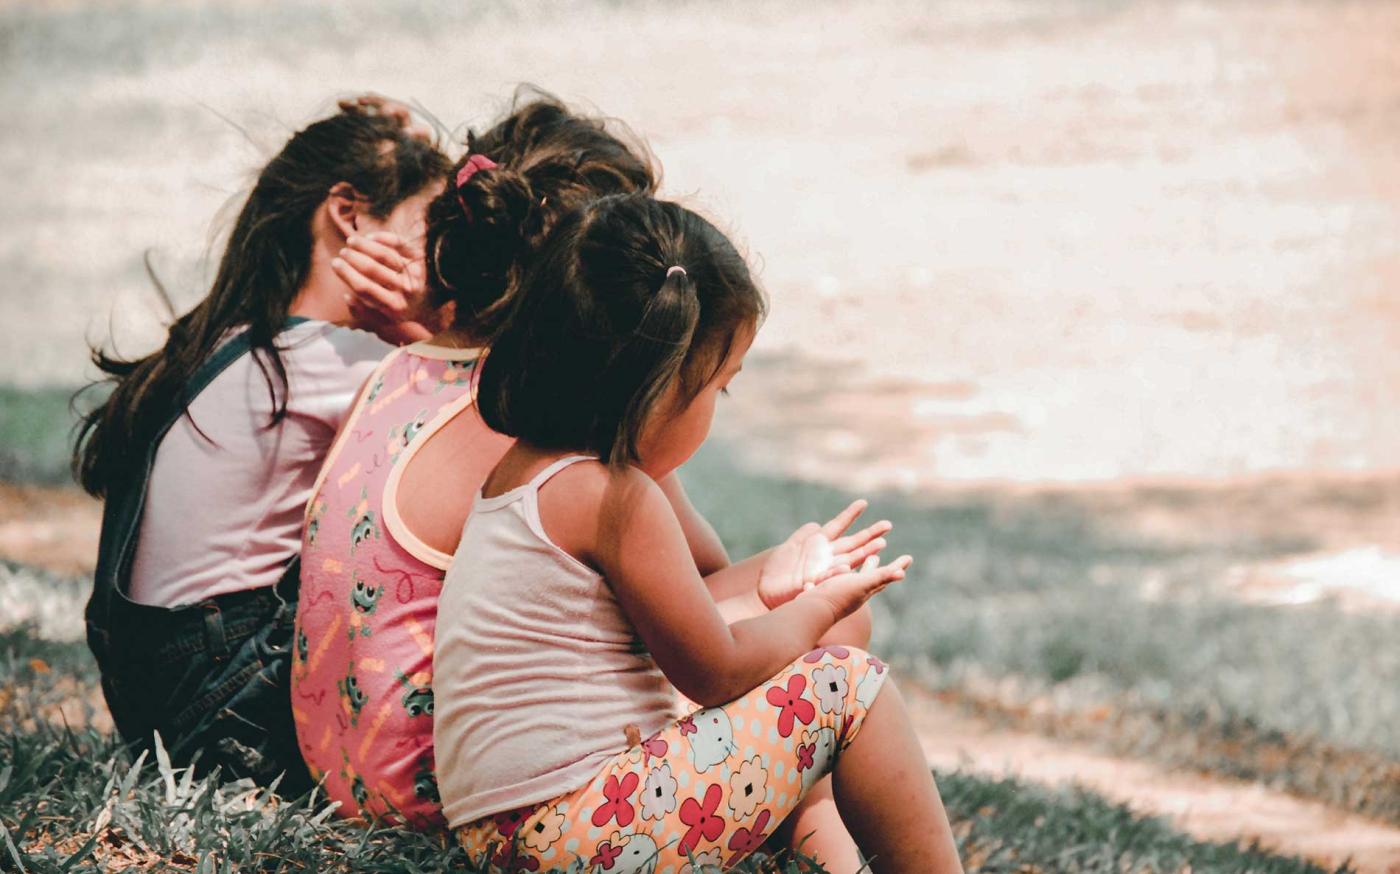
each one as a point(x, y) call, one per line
point(573, 603)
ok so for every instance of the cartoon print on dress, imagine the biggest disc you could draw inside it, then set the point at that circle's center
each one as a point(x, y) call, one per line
point(748, 788)
point(418, 700)
point(402, 435)
point(456, 373)
point(365, 525)
point(364, 598)
point(352, 697)
point(869, 684)
point(303, 646)
point(814, 753)
point(659, 792)
point(712, 740)
point(633, 854)
point(830, 684)
point(425, 786)
point(313, 519)
point(375, 389)
point(548, 827)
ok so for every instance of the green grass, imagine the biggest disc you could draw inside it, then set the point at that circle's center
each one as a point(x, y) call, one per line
point(71, 800)
point(1042, 598)
point(35, 429)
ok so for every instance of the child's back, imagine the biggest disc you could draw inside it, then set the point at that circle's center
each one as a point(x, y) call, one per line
point(540, 671)
point(362, 671)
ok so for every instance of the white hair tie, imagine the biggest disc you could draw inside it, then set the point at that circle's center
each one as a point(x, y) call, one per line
point(676, 269)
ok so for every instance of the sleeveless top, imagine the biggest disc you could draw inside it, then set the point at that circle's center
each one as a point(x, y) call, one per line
point(538, 672)
point(362, 693)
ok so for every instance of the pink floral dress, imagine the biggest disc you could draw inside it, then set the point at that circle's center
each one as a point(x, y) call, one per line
point(362, 668)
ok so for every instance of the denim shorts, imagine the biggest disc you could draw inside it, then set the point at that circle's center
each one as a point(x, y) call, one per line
point(212, 678)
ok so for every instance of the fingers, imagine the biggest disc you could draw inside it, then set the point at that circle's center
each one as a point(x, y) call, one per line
point(368, 293)
point(394, 279)
point(858, 556)
point(845, 519)
point(407, 249)
point(854, 541)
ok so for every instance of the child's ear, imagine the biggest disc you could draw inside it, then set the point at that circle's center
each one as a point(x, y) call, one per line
point(343, 209)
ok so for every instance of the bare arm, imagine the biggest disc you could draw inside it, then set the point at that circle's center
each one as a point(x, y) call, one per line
point(705, 546)
point(624, 526)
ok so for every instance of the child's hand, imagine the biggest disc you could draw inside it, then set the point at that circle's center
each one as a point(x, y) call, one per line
point(815, 552)
point(386, 277)
point(845, 592)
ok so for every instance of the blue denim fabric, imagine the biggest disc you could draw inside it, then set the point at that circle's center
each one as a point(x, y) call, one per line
point(212, 678)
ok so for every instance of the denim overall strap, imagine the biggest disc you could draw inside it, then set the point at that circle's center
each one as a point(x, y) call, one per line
point(126, 499)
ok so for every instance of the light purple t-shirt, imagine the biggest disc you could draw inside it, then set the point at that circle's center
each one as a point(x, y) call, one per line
point(224, 508)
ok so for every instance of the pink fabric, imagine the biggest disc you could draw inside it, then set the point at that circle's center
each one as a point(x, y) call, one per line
point(538, 671)
point(362, 670)
point(224, 509)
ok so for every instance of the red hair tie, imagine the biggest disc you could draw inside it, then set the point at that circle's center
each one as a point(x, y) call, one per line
point(473, 164)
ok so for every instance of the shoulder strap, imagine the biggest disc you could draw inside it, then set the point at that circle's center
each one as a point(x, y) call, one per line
point(544, 476)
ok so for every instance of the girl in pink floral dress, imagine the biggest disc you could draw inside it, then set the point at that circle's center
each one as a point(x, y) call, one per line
point(379, 530)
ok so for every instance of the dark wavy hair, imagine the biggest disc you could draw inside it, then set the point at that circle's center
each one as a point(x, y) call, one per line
point(602, 326)
point(263, 266)
point(550, 160)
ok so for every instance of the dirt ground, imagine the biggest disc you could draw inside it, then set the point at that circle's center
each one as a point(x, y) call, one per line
point(1209, 808)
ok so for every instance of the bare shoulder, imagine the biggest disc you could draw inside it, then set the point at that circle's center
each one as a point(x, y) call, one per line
point(586, 505)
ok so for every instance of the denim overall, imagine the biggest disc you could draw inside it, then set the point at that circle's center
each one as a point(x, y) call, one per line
point(213, 677)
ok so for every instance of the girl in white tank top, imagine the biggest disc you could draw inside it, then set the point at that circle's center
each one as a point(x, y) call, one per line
point(573, 605)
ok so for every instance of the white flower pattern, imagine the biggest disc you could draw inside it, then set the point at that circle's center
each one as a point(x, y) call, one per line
point(829, 682)
point(659, 792)
point(748, 786)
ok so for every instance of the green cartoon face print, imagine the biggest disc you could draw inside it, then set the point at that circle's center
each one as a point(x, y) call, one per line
point(365, 526)
point(419, 702)
point(351, 696)
point(364, 599)
point(302, 647)
point(313, 519)
point(402, 435)
point(458, 373)
point(418, 699)
point(374, 390)
point(358, 789)
point(425, 785)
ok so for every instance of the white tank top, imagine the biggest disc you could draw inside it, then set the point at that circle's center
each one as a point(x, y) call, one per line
point(537, 672)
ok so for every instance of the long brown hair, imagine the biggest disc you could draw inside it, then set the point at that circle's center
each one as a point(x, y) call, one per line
point(263, 267)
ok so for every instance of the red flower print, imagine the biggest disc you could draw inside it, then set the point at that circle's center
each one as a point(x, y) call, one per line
point(874, 662)
point(617, 804)
point(791, 705)
point(746, 840)
point(838, 652)
point(701, 818)
point(508, 822)
point(656, 746)
point(806, 755)
point(508, 858)
point(687, 726)
point(605, 856)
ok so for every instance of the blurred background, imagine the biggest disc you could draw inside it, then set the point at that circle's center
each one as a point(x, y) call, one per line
point(1098, 300)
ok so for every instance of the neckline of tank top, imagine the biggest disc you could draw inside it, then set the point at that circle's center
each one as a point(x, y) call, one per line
point(533, 484)
point(426, 349)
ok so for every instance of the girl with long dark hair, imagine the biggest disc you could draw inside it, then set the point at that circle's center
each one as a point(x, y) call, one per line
point(205, 451)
